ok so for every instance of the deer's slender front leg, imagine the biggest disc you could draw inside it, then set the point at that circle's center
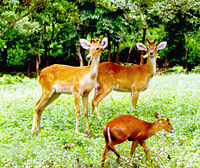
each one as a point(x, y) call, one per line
point(145, 149)
point(98, 98)
point(96, 93)
point(134, 98)
point(77, 104)
point(45, 99)
point(134, 145)
point(105, 153)
point(85, 109)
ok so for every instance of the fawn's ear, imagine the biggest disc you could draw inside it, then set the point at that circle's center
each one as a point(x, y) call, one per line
point(162, 45)
point(85, 44)
point(157, 115)
point(104, 42)
point(141, 46)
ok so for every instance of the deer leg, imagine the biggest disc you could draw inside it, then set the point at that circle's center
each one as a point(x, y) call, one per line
point(134, 145)
point(85, 109)
point(105, 153)
point(77, 104)
point(43, 102)
point(50, 100)
point(96, 92)
point(34, 126)
point(39, 107)
point(145, 149)
point(134, 99)
point(114, 150)
point(103, 93)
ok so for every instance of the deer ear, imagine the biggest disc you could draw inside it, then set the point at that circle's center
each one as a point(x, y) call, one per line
point(162, 45)
point(157, 115)
point(85, 44)
point(104, 42)
point(141, 46)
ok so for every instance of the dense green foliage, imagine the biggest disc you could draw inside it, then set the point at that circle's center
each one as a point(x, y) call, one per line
point(176, 96)
point(49, 30)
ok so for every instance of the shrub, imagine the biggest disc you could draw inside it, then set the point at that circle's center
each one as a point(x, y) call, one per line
point(7, 79)
point(196, 69)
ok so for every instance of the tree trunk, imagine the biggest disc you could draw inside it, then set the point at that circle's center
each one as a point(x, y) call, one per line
point(45, 55)
point(166, 62)
point(29, 66)
point(79, 55)
point(82, 54)
point(142, 52)
point(186, 58)
point(37, 65)
point(114, 53)
point(109, 50)
point(4, 61)
point(117, 55)
point(129, 53)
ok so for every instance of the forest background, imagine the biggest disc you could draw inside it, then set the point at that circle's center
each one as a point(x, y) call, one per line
point(35, 33)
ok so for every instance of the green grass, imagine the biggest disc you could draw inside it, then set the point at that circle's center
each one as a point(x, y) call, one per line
point(176, 96)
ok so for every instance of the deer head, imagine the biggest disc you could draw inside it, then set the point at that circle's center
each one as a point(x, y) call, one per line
point(151, 49)
point(95, 47)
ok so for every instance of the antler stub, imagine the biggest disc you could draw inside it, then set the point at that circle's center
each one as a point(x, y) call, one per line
point(95, 40)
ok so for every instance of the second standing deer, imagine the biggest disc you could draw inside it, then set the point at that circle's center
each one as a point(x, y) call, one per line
point(79, 81)
point(132, 79)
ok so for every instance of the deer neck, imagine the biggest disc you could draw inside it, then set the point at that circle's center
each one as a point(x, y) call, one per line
point(153, 128)
point(151, 64)
point(94, 67)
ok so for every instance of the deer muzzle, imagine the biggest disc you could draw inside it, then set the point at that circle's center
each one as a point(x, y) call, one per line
point(89, 57)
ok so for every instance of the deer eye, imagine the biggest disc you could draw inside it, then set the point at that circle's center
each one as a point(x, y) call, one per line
point(97, 48)
point(155, 48)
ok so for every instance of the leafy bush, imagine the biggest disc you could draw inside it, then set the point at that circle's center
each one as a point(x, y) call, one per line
point(193, 40)
point(178, 69)
point(9, 79)
point(196, 69)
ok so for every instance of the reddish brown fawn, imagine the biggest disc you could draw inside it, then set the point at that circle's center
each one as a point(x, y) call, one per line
point(132, 79)
point(79, 81)
point(127, 127)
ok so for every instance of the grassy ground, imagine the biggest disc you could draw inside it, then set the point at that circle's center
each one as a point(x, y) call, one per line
point(176, 96)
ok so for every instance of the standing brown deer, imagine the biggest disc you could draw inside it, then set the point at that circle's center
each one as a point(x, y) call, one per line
point(127, 127)
point(132, 79)
point(79, 81)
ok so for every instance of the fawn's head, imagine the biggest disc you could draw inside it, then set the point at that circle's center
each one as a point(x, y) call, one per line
point(164, 122)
